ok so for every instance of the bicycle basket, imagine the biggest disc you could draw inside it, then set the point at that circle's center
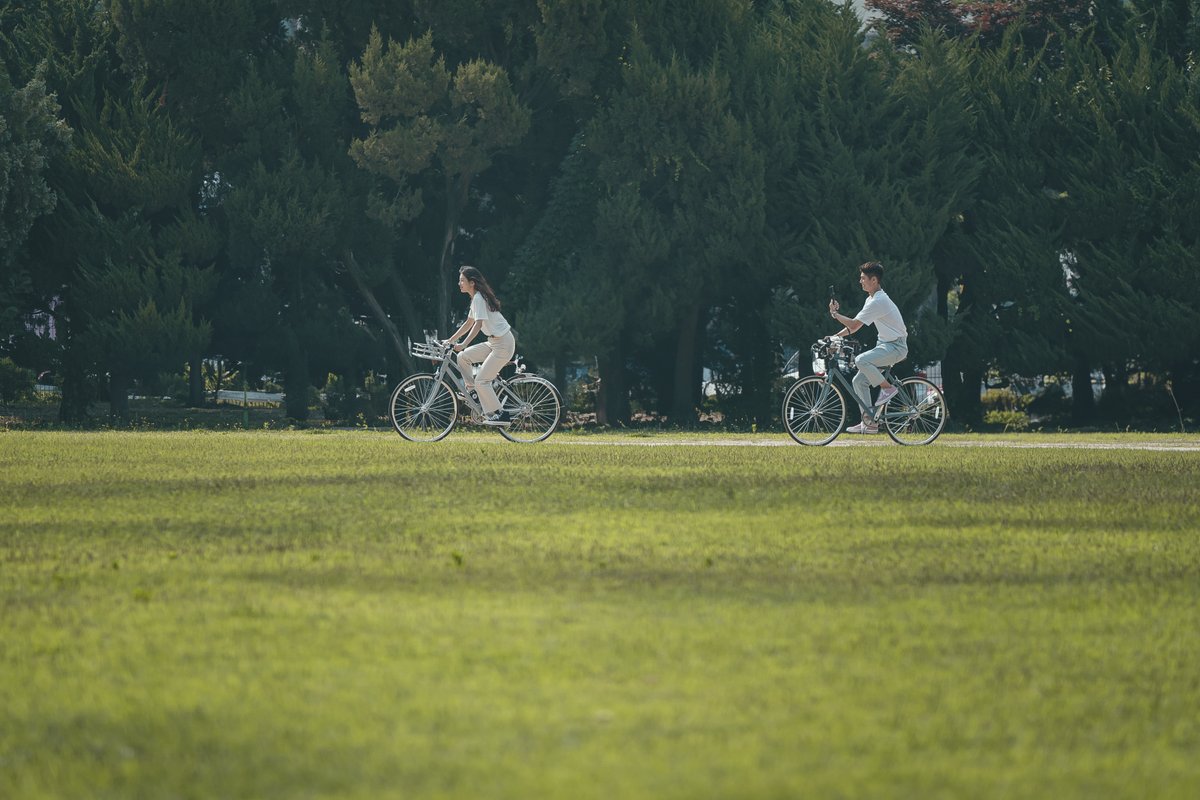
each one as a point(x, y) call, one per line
point(430, 350)
point(835, 354)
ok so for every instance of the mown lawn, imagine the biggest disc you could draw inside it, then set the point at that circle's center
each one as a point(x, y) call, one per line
point(290, 615)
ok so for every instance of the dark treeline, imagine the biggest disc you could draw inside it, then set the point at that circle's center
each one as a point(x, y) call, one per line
point(656, 187)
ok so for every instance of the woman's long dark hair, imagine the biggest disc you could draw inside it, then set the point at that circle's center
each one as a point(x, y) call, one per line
point(481, 285)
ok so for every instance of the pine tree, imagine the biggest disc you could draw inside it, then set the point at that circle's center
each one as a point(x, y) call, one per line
point(1130, 177)
point(682, 204)
point(884, 173)
point(423, 117)
point(1001, 264)
point(125, 219)
point(31, 135)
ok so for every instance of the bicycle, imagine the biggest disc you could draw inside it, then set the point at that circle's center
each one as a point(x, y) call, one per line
point(814, 408)
point(426, 406)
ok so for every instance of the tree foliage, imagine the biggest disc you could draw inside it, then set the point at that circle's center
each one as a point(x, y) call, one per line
point(661, 190)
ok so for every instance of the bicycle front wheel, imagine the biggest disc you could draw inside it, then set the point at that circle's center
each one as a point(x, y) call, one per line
point(535, 406)
point(916, 414)
point(814, 411)
point(423, 409)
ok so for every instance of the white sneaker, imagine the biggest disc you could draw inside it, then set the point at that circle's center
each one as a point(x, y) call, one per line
point(863, 427)
point(885, 395)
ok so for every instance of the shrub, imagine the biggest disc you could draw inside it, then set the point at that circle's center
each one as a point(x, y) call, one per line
point(16, 383)
point(1010, 420)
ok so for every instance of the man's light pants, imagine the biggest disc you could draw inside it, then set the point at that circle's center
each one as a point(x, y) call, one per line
point(885, 354)
point(494, 353)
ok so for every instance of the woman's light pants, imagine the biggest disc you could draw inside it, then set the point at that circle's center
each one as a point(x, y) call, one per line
point(885, 354)
point(494, 354)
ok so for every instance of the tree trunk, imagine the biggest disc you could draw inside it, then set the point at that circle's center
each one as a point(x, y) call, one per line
point(389, 327)
point(456, 200)
point(760, 394)
point(962, 368)
point(73, 407)
point(1083, 402)
point(296, 382)
point(612, 398)
point(1114, 403)
point(118, 395)
point(560, 377)
point(196, 381)
point(685, 394)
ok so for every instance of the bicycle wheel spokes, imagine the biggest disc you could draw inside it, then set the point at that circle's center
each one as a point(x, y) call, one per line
point(536, 409)
point(813, 411)
point(917, 414)
point(423, 409)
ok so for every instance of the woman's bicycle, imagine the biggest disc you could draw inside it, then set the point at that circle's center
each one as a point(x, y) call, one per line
point(814, 408)
point(426, 406)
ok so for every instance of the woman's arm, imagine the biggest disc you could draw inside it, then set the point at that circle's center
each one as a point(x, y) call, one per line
point(461, 330)
point(476, 326)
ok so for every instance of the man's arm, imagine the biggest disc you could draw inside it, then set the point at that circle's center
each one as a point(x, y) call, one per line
point(851, 324)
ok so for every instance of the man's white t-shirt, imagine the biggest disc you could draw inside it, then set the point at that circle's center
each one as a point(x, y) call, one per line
point(494, 323)
point(880, 311)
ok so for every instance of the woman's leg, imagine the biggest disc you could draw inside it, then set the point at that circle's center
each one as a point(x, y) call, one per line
point(500, 353)
point(467, 359)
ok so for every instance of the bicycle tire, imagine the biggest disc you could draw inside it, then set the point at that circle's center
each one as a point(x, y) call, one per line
point(423, 409)
point(536, 407)
point(814, 411)
point(917, 414)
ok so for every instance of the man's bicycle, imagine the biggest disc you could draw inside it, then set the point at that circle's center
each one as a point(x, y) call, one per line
point(814, 408)
point(426, 406)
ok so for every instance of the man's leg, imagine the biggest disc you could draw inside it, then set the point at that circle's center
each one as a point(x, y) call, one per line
point(862, 388)
point(869, 364)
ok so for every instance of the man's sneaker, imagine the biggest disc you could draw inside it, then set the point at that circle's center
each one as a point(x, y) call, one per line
point(885, 395)
point(501, 419)
point(863, 427)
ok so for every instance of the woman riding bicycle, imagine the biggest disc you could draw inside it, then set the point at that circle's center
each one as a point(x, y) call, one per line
point(891, 348)
point(493, 354)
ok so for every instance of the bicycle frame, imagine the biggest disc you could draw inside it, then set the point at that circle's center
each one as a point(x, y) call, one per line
point(449, 369)
point(837, 375)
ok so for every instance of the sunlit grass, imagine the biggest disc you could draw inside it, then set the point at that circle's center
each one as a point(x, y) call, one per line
point(347, 615)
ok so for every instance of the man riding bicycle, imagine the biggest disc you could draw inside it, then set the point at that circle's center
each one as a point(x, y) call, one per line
point(891, 348)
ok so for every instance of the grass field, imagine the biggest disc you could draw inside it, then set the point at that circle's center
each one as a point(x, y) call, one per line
point(292, 615)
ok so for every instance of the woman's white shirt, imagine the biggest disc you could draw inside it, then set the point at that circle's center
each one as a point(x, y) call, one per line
point(494, 323)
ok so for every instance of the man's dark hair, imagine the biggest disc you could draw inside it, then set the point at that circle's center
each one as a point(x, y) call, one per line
point(873, 269)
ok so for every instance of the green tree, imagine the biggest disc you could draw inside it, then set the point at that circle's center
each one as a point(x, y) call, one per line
point(422, 117)
point(293, 206)
point(884, 172)
point(682, 204)
point(125, 219)
point(31, 134)
point(1130, 180)
point(1000, 267)
point(137, 277)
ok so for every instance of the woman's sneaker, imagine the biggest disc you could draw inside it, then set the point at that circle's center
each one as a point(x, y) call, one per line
point(863, 427)
point(500, 419)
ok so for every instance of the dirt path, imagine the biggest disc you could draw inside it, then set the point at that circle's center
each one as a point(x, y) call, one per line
point(883, 441)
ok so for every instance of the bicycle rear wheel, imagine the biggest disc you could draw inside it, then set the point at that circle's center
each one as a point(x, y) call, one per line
point(814, 411)
point(535, 406)
point(423, 409)
point(916, 414)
